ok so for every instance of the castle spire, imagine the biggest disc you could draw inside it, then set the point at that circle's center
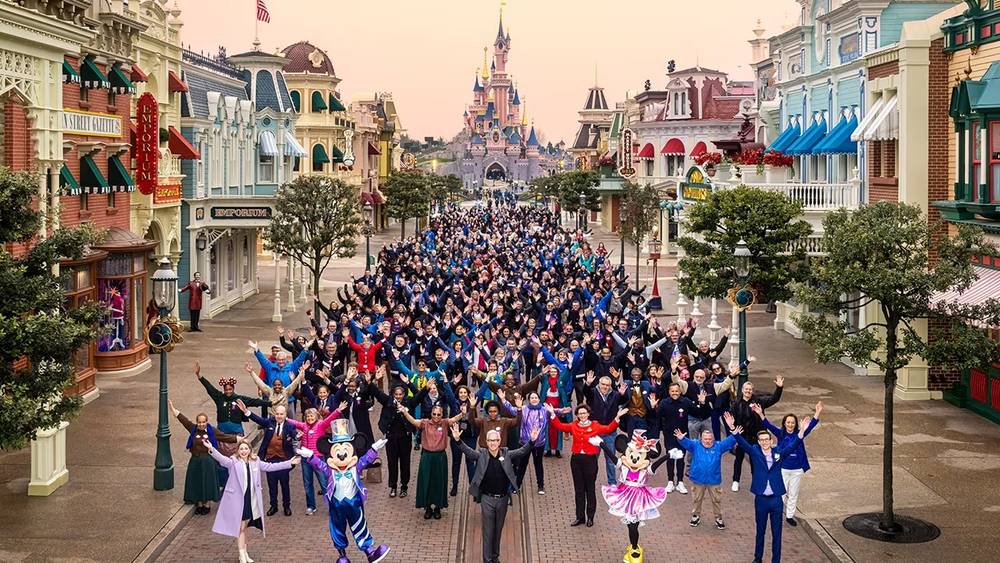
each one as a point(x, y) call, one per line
point(500, 33)
point(524, 111)
point(486, 73)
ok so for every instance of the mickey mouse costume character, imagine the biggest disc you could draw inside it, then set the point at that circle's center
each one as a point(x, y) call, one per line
point(345, 492)
point(631, 499)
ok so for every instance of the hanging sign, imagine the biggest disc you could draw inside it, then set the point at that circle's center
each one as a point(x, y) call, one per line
point(147, 143)
point(625, 157)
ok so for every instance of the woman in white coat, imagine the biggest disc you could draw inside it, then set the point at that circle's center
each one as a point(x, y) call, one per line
point(242, 503)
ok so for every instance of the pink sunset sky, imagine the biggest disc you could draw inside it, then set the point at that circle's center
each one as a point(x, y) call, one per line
point(426, 53)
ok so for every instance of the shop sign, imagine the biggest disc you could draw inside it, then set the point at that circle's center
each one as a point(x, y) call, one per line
point(167, 194)
point(850, 47)
point(91, 124)
point(147, 146)
point(625, 157)
point(696, 186)
point(241, 213)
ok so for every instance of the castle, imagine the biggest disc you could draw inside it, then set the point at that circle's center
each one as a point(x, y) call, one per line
point(499, 145)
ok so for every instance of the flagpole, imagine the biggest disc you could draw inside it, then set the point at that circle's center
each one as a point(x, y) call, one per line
point(256, 29)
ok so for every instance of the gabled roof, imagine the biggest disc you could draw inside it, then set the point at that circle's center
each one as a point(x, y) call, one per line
point(595, 99)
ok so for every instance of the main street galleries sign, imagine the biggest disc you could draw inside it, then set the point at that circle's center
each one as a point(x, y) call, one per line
point(91, 124)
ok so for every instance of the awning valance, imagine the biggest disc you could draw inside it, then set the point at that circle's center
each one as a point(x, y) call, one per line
point(174, 83)
point(92, 76)
point(699, 149)
point(180, 146)
point(268, 145)
point(91, 179)
point(139, 75)
point(67, 183)
point(867, 120)
point(120, 84)
point(373, 150)
point(69, 74)
point(646, 152)
point(317, 102)
point(986, 286)
point(119, 180)
point(292, 146)
point(319, 155)
point(838, 140)
point(674, 147)
point(885, 125)
point(337, 154)
point(805, 143)
point(785, 139)
point(335, 104)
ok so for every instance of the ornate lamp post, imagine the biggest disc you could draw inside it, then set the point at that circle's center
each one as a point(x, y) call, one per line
point(368, 230)
point(742, 297)
point(621, 231)
point(161, 335)
point(655, 303)
point(582, 215)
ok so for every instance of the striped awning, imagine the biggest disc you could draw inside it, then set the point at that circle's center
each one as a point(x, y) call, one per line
point(67, 182)
point(866, 121)
point(646, 152)
point(699, 149)
point(70, 76)
point(292, 147)
point(885, 125)
point(92, 76)
point(986, 286)
point(119, 179)
point(674, 147)
point(92, 181)
point(268, 145)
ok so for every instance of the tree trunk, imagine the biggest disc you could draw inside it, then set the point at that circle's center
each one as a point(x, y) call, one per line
point(402, 229)
point(316, 277)
point(637, 253)
point(888, 519)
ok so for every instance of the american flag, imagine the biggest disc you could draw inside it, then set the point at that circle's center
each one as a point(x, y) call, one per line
point(262, 13)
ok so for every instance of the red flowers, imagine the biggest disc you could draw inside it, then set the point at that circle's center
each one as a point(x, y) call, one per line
point(778, 160)
point(708, 158)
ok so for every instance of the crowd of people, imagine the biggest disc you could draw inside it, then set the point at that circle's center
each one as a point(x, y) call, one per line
point(494, 336)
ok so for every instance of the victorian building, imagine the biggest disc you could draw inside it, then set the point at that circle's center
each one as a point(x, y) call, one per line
point(238, 115)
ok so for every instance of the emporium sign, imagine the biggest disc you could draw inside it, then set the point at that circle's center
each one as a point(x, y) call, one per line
point(147, 147)
point(241, 213)
point(91, 124)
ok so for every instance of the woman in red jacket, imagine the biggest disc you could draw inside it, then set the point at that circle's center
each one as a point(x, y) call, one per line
point(584, 461)
point(366, 353)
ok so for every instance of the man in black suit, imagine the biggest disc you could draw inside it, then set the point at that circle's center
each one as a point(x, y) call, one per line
point(277, 445)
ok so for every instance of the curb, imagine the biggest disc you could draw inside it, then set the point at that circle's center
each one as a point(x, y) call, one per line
point(162, 539)
point(822, 538)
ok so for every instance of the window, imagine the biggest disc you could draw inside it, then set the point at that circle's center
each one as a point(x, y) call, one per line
point(649, 168)
point(230, 265)
point(246, 260)
point(976, 162)
point(265, 172)
point(84, 94)
point(84, 201)
point(317, 166)
point(112, 99)
point(994, 162)
point(111, 200)
point(213, 267)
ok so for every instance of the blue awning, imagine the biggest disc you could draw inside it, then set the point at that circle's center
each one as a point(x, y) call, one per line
point(838, 141)
point(785, 139)
point(268, 145)
point(809, 139)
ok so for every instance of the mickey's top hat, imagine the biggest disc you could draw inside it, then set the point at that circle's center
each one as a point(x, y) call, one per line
point(340, 431)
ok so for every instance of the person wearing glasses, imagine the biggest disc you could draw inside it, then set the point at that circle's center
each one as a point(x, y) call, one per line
point(432, 475)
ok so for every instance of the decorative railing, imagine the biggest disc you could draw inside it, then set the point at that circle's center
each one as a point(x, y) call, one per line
point(170, 165)
point(812, 245)
point(817, 197)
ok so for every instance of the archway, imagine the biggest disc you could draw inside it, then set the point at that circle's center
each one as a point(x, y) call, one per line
point(496, 172)
point(154, 233)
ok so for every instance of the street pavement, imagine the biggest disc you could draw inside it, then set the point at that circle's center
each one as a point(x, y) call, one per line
point(946, 461)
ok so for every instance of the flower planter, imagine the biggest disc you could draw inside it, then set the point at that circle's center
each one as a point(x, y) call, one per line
point(776, 174)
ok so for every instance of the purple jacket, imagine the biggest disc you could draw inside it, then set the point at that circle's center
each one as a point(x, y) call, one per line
point(230, 511)
point(323, 467)
point(530, 420)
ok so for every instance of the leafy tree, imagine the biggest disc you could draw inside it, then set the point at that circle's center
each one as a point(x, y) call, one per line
point(315, 219)
point(640, 204)
point(38, 332)
point(406, 196)
point(576, 182)
point(444, 187)
point(767, 221)
point(881, 254)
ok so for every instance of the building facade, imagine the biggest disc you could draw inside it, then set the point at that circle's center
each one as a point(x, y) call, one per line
point(237, 114)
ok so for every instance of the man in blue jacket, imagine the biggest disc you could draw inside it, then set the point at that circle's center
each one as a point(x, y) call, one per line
point(767, 485)
point(706, 471)
point(281, 368)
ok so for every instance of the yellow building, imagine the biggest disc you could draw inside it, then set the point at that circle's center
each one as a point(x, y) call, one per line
point(157, 53)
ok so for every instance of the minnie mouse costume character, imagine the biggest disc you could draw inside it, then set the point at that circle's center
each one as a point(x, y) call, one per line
point(631, 499)
point(345, 492)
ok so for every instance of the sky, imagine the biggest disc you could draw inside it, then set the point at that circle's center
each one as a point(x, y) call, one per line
point(426, 52)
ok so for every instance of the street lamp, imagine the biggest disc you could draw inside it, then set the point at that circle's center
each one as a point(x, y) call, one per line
point(161, 336)
point(621, 230)
point(368, 229)
point(655, 302)
point(742, 297)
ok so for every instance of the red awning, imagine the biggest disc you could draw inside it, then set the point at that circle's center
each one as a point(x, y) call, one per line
point(174, 83)
point(180, 146)
point(373, 150)
point(131, 132)
point(647, 151)
point(379, 197)
point(673, 147)
point(699, 149)
point(138, 75)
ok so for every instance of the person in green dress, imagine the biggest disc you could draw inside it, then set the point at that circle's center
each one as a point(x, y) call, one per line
point(432, 475)
point(201, 482)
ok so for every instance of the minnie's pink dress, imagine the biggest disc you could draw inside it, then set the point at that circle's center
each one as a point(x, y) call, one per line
point(631, 499)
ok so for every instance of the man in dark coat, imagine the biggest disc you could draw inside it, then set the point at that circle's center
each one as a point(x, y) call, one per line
point(196, 287)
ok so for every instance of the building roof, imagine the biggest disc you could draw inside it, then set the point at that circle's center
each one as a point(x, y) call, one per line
point(532, 139)
point(698, 70)
point(517, 98)
point(477, 139)
point(200, 82)
point(306, 57)
point(514, 138)
point(585, 138)
point(478, 87)
point(595, 99)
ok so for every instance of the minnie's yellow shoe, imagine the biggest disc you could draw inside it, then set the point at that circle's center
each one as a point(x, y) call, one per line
point(633, 555)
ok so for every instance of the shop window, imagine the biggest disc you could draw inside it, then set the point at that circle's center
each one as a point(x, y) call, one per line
point(138, 307)
point(317, 166)
point(213, 266)
point(994, 162)
point(246, 260)
point(675, 165)
point(115, 293)
point(853, 316)
point(230, 266)
point(649, 168)
point(976, 162)
point(265, 172)
point(295, 164)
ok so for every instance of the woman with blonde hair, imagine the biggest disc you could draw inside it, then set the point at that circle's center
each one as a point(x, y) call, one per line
point(242, 503)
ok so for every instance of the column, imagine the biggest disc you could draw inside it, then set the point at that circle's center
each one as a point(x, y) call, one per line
point(734, 337)
point(713, 323)
point(276, 316)
point(291, 285)
point(696, 313)
point(48, 461)
point(681, 304)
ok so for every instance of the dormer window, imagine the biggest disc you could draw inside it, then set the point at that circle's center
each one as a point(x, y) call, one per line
point(679, 107)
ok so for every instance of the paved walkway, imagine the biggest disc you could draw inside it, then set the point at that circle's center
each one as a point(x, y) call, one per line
point(946, 463)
